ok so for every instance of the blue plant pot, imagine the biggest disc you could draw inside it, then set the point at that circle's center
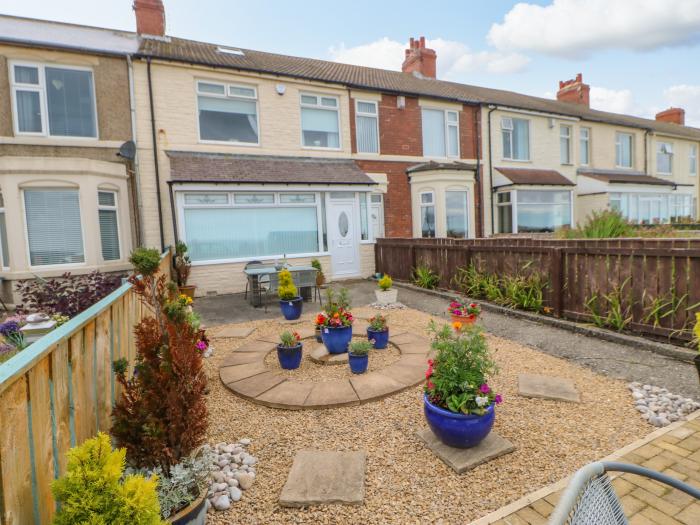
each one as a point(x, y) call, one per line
point(458, 430)
point(289, 357)
point(291, 308)
point(381, 339)
point(336, 339)
point(358, 363)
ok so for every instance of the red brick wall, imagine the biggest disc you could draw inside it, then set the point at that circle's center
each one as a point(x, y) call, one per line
point(468, 131)
point(400, 130)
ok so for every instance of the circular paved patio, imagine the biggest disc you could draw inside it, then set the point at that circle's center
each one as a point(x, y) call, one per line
point(245, 373)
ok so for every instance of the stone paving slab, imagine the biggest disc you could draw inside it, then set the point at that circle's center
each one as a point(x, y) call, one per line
point(289, 394)
point(235, 331)
point(463, 459)
point(231, 374)
point(323, 357)
point(415, 348)
point(548, 387)
point(256, 346)
point(270, 338)
point(374, 385)
point(408, 338)
point(252, 387)
point(405, 374)
point(335, 393)
point(319, 478)
point(243, 358)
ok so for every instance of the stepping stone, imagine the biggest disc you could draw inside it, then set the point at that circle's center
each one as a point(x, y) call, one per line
point(235, 331)
point(321, 356)
point(289, 394)
point(414, 348)
point(319, 478)
point(332, 393)
point(306, 332)
point(375, 385)
point(409, 338)
point(243, 358)
point(256, 346)
point(547, 387)
point(463, 459)
point(231, 374)
point(270, 338)
point(254, 386)
point(406, 374)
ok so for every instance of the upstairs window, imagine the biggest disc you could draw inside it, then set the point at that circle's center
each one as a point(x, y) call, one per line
point(693, 160)
point(565, 144)
point(623, 150)
point(440, 133)
point(53, 101)
point(227, 112)
point(516, 138)
point(585, 146)
point(320, 121)
point(664, 158)
point(367, 126)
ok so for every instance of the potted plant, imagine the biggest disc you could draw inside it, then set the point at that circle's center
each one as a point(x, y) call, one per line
point(465, 313)
point(291, 303)
point(289, 350)
point(183, 267)
point(358, 356)
point(336, 322)
point(320, 277)
point(378, 332)
point(386, 294)
point(318, 324)
point(458, 402)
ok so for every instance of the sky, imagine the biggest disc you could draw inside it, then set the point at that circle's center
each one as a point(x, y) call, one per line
point(639, 56)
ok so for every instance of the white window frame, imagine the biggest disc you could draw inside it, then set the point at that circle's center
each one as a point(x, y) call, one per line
point(227, 95)
point(457, 189)
point(375, 116)
point(510, 132)
point(115, 209)
point(693, 160)
point(318, 105)
point(43, 100)
point(446, 132)
point(514, 204)
point(618, 149)
point(320, 220)
point(664, 148)
point(568, 136)
point(587, 141)
point(2, 254)
point(431, 204)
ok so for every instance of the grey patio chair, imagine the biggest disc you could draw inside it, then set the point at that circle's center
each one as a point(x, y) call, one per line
point(251, 264)
point(270, 287)
point(590, 498)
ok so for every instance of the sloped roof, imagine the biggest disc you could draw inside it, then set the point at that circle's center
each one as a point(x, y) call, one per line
point(433, 165)
point(263, 169)
point(534, 177)
point(620, 177)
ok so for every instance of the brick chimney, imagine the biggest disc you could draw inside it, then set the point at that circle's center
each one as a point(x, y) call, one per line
point(150, 17)
point(675, 115)
point(420, 59)
point(575, 91)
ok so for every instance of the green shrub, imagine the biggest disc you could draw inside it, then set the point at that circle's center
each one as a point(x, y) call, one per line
point(609, 310)
point(146, 261)
point(183, 264)
point(93, 491)
point(425, 277)
point(360, 347)
point(385, 283)
point(286, 288)
point(606, 224)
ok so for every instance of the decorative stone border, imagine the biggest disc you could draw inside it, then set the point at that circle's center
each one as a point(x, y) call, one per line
point(244, 373)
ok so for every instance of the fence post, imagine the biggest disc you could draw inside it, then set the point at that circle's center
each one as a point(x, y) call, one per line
point(557, 280)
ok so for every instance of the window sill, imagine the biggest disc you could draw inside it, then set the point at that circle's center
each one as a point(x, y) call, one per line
point(229, 143)
point(43, 140)
point(239, 260)
point(320, 148)
point(517, 160)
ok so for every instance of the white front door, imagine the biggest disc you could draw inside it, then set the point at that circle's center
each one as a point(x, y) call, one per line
point(343, 237)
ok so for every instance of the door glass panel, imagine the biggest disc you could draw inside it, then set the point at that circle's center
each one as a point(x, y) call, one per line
point(343, 224)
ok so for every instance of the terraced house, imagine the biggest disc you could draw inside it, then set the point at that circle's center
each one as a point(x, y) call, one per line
point(247, 155)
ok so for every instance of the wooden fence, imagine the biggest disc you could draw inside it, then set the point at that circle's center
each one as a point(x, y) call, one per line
point(648, 270)
point(55, 394)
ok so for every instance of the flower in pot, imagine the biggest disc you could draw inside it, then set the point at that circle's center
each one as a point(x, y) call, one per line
point(378, 332)
point(320, 277)
point(464, 313)
point(386, 294)
point(289, 350)
point(290, 302)
point(318, 323)
point(183, 267)
point(358, 356)
point(458, 402)
point(336, 322)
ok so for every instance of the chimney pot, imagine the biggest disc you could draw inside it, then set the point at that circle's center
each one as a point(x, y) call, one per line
point(674, 115)
point(575, 91)
point(150, 17)
point(419, 59)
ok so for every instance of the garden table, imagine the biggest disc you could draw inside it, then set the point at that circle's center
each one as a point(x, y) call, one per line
point(256, 275)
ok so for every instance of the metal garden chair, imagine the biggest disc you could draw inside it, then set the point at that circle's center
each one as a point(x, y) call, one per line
point(590, 498)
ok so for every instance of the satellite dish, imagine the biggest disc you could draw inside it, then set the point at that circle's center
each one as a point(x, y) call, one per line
point(280, 88)
point(127, 150)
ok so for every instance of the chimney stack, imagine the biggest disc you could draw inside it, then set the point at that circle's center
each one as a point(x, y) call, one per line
point(150, 17)
point(575, 91)
point(674, 115)
point(419, 59)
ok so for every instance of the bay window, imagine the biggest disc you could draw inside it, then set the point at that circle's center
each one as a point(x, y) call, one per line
point(456, 214)
point(440, 133)
point(585, 146)
point(427, 214)
point(623, 150)
point(693, 160)
point(320, 121)
point(240, 225)
point(533, 210)
point(54, 230)
point(516, 138)
point(504, 206)
point(652, 208)
point(4, 248)
point(565, 144)
point(56, 101)
point(109, 225)
point(227, 112)
point(367, 126)
point(664, 158)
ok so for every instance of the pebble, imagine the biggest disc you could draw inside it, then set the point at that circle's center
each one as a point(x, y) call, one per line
point(660, 407)
point(231, 474)
point(391, 306)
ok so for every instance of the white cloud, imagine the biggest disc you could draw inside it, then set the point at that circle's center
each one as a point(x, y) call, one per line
point(614, 100)
point(576, 28)
point(453, 58)
point(687, 97)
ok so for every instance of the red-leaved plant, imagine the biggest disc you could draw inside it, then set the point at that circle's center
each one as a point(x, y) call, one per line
point(161, 416)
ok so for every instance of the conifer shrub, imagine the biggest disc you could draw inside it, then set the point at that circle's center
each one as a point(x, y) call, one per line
point(286, 288)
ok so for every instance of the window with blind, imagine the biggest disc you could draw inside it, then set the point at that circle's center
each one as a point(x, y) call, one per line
point(440, 133)
point(320, 121)
point(53, 226)
point(4, 248)
point(227, 112)
point(54, 101)
point(109, 225)
point(367, 126)
point(515, 133)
